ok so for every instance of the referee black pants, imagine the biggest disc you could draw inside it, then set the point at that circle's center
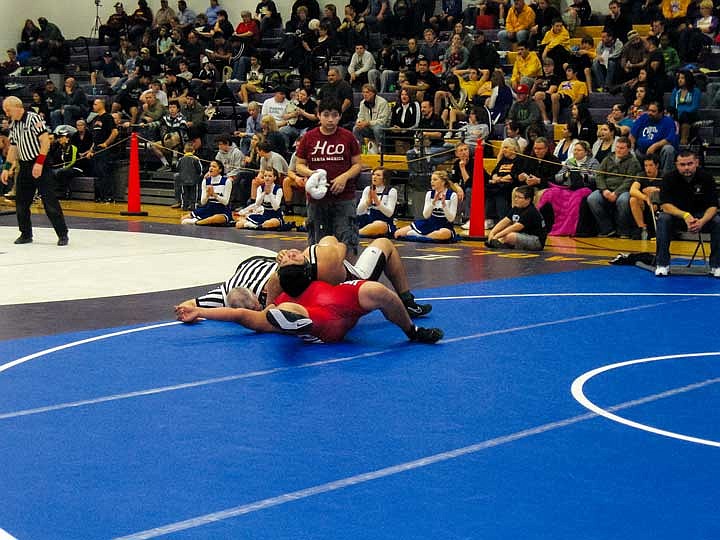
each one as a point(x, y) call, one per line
point(26, 186)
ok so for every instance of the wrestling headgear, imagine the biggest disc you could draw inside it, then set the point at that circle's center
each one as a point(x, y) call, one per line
point(295, 278)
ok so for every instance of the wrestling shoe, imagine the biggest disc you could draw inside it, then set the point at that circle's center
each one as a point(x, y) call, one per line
point(426, 335)
point(289, 322)
point(418, 310)
point(662, 271)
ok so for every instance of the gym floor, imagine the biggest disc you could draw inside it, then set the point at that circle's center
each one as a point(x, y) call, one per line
point(569, 398)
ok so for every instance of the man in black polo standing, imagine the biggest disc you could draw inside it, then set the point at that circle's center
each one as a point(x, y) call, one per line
point(104, 133)
point(29, 145)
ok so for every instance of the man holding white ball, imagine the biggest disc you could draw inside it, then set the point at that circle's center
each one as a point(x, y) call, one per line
point(330, 157)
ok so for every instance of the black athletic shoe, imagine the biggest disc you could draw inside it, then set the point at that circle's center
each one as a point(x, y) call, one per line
point(289, 322)
point(418, 310)
point(63, 240)
point(427, 335)
point(23, 240)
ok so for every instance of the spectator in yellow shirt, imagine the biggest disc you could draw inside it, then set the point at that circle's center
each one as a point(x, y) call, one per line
point(570, 92)
point(555, 44)
point(520, 19)
point(526, 67)
point(477, 84)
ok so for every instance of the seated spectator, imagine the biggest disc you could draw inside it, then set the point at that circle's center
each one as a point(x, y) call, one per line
point(526, 66)
point(605, 65)
point(270, 19)
point(361, 62)
point(175, 88)
point(451, 103)
point(570, 92)
point(384, 75)
point(610, 202)
point(483, 55)
point(616, 117)
point(269, 129)
point(633, 56)
point(292, 184)
point(140, 20)
point(457, 56)
point(433, 51)
point(523, 227)
point(654, 133)
point(566, 145)
point(514, 132)
point(194, 115)
point(545, 14)
point(425, 83)
point(477, 128)
point(152, 111)
point(186, 16)
point(116, 25)
point(255, 76)
point(540, 168)
point(39, 106)
point(501, 98)
point(54, 99)
point(466, 37)
point(583, 123)
point(573, 183)
point(276, 107)
point(63, 157)
point(685, 102)
point(373, 116)
point(352, 30)
point(689, 202)
point(605, 143)
point(268, 160)
point(265, 212)
point(477, 86)
point(503, 179)
point(438, 213)
point(520, 19)
point(339, 90)
point(215, 192)
point(252, 126)
point(670, 54)
point(582, 58)
point(109, 71)
point(301, 116)
point(230, 157)
point(404, 118)
point(545, 85)
point(555, 44)
point(618, 22)
point(644, 198)
point(695, 38)
point(450, 12)
point(524, 112)
point(376, 208)
point(173, 135)
point(577, 14)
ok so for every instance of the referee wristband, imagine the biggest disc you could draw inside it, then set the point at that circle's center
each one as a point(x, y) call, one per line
point(685, 215)
point(40, 159)
point(7, 166)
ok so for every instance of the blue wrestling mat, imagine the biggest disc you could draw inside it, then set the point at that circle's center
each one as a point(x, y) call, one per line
point(577, 405)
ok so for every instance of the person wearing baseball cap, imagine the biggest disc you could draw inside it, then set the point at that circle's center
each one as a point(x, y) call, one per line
point(524, 112)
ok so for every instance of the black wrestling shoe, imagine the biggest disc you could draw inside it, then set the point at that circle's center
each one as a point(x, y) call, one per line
point(426, 335)
point(418, 310)
point(63, 240)
point(23, 240)
point(289, 322)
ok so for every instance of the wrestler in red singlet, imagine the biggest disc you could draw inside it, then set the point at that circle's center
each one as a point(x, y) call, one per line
point(334, 309)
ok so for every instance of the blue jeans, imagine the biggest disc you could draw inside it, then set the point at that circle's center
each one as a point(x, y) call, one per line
point(604, 75)
point(667, 224)
point(506, 42)
point(606, 212)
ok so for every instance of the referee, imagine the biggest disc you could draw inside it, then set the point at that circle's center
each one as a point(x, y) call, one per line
point(30, 142)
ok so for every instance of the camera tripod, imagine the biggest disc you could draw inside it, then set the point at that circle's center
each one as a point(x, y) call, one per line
point(95, 30)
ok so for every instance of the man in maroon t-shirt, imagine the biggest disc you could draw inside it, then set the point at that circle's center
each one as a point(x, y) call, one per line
point(337, 151)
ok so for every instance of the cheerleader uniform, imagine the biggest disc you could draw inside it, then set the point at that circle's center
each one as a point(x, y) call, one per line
point(219, 204)
point(439, 218)
point(270, 203)
point(384, 212)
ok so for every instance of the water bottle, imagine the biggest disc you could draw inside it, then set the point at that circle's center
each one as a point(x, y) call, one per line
point(364, 148)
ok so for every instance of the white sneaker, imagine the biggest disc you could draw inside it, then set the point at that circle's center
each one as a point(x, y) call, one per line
point(662, 271)
point(715, 272)
point(489, 224)
point(449, 135)
point(465, 226)
point(189, 221)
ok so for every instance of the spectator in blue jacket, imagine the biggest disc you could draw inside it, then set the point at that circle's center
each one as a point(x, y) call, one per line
point(654, 133)
point(685, 100)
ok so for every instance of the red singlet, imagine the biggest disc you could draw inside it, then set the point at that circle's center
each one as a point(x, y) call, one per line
point(334, 309)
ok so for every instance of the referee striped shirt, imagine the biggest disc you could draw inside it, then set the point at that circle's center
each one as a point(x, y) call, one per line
point(25, 134)
point(252, 273)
